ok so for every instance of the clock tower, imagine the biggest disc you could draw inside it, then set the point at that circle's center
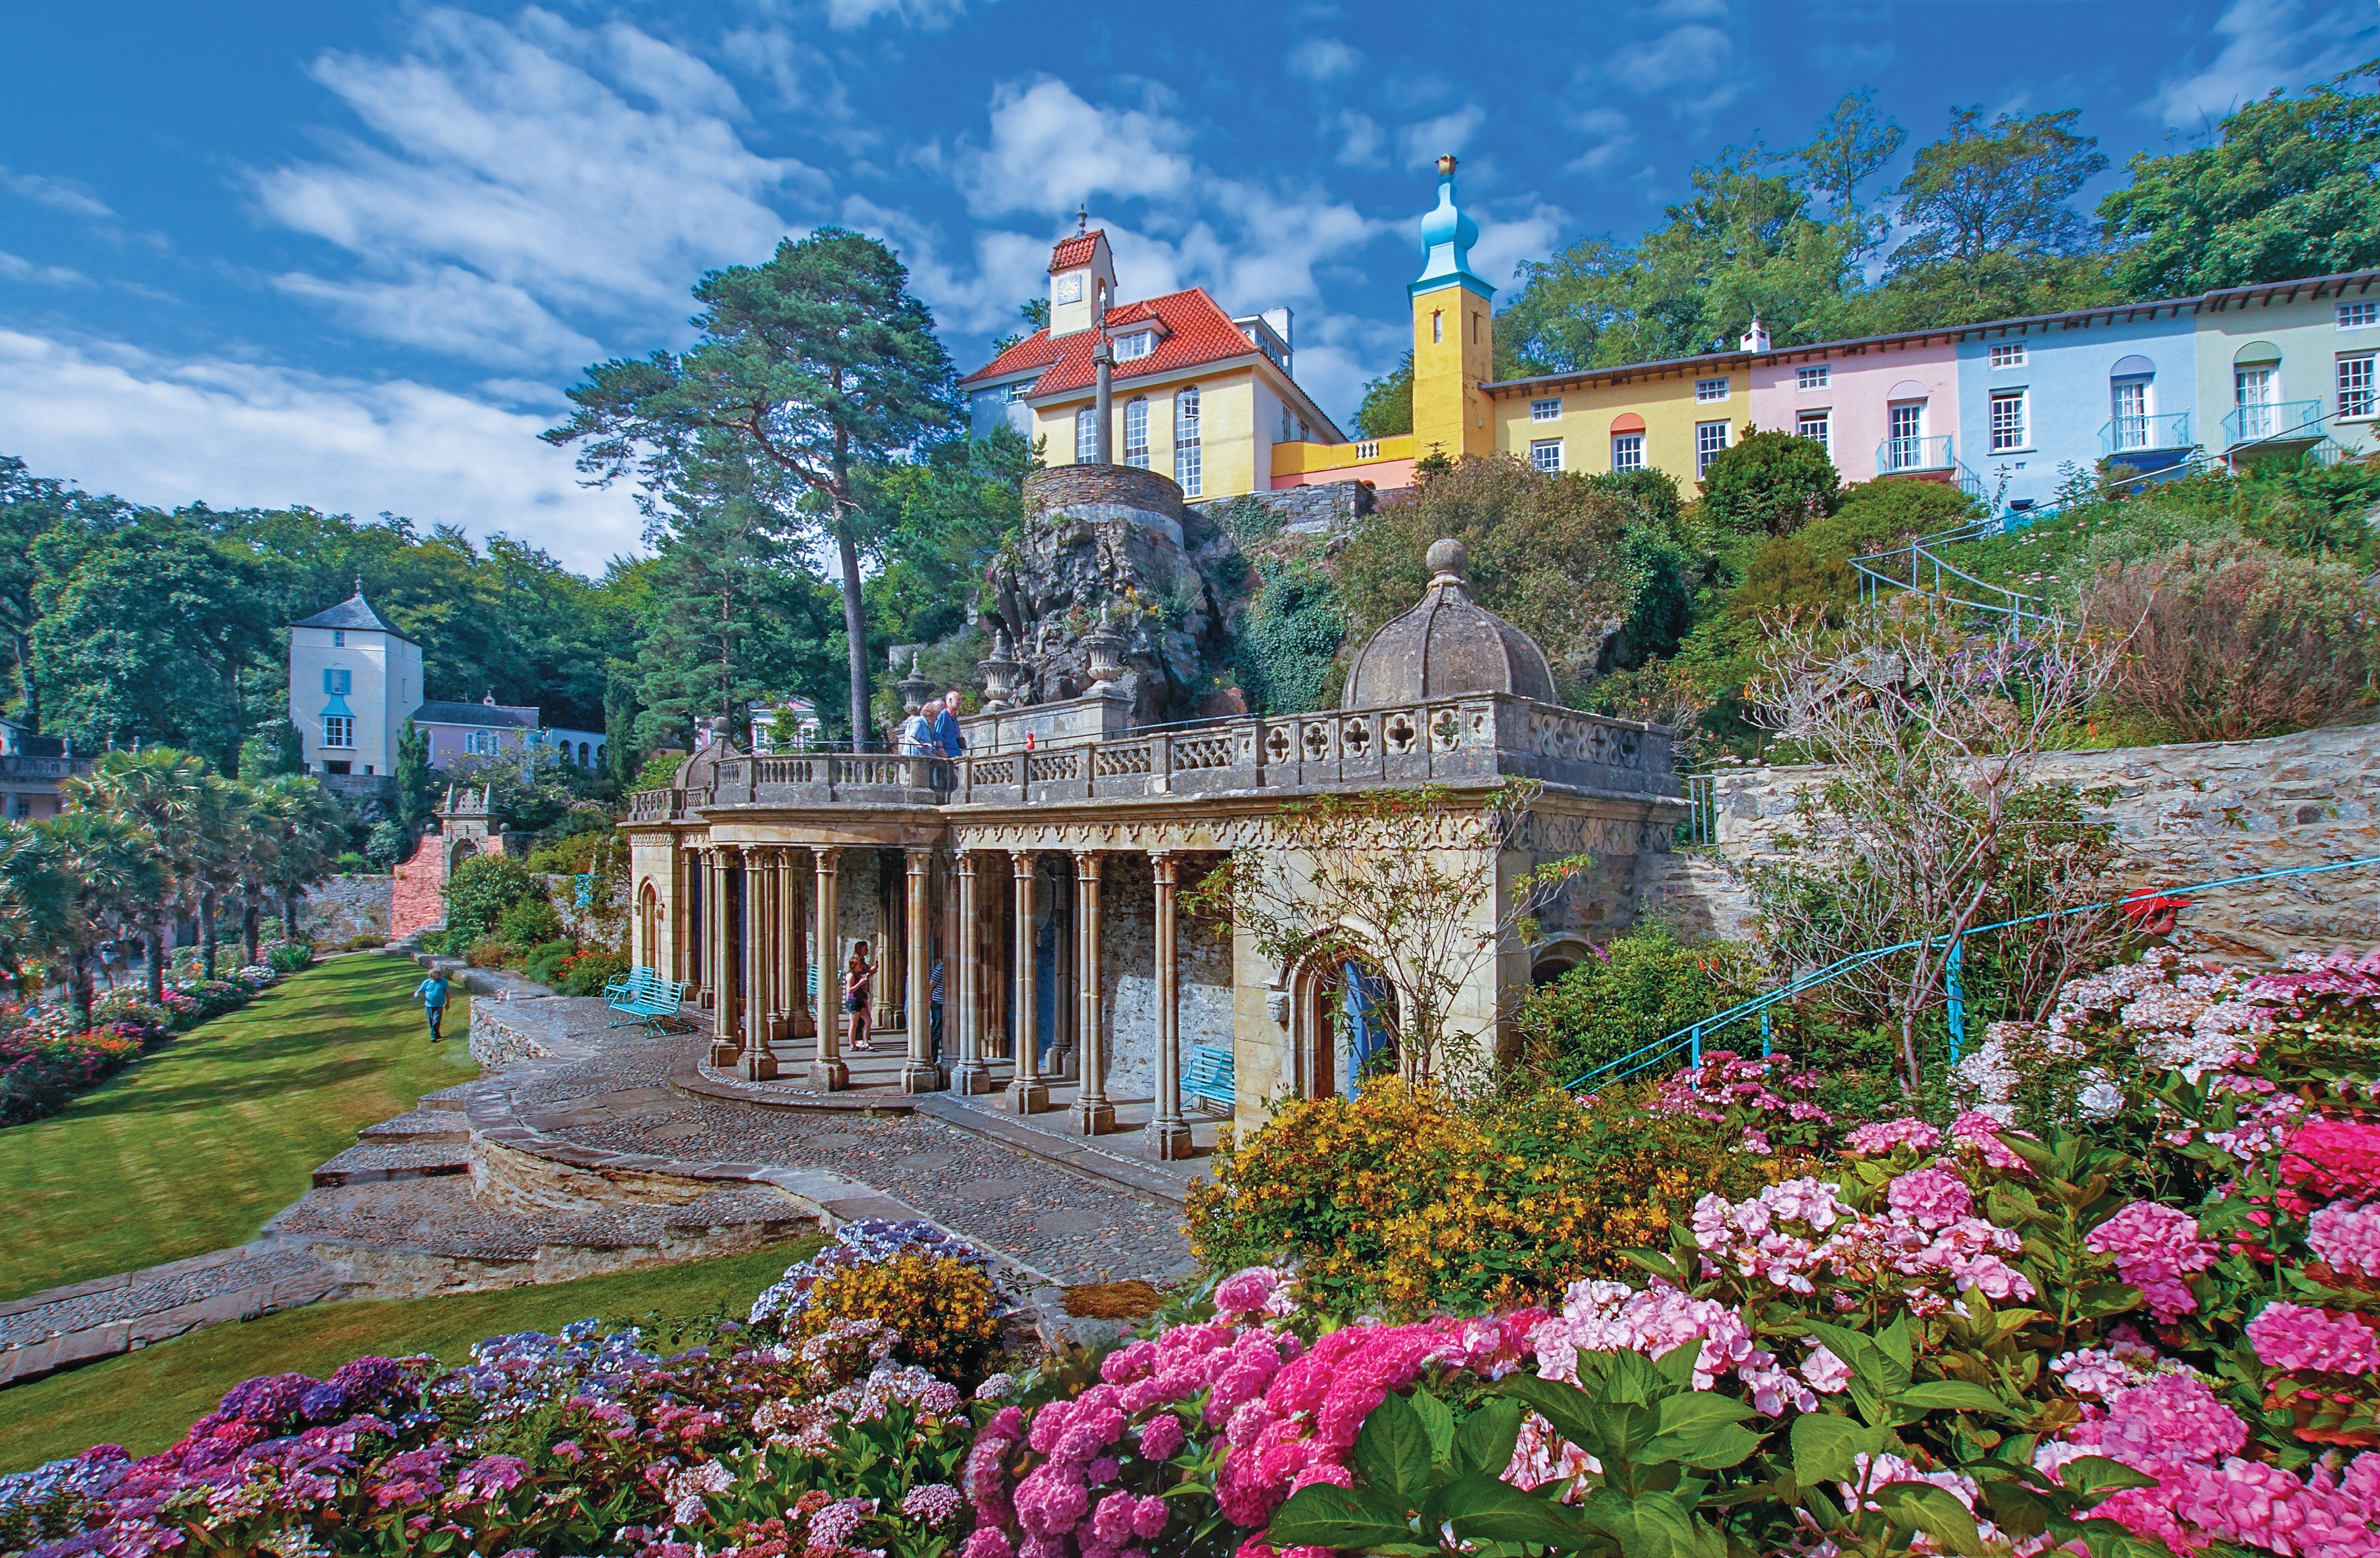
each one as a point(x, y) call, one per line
point(1082, 279)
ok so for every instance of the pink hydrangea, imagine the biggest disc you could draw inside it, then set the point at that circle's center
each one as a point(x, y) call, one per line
point(1605, 1317)
point(2337, 1158)
point(2295, 1336)
point(1875, 1141)
point(2347, 1237)
point(1255, 1292)
point(1930, 1198)
point(1981, 1132)
point(2154, 1248)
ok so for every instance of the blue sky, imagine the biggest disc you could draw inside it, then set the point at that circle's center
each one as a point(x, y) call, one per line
point(348, 255)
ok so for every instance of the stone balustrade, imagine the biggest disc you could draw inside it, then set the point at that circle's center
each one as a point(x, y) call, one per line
point(1476, 740)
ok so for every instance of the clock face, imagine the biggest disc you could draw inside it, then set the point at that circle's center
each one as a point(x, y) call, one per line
point(1070, 288)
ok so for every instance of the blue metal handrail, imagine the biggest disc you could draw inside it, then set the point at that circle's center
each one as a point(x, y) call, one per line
point(1690, 1038)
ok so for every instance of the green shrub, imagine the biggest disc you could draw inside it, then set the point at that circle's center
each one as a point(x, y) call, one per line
point(489, 952)
point(1647, 984)
point(1771, 483)
point(539, 964)
point(1287, 654)
point(587, 972)
point(287, 957)
point(480, 892)
point(532, 922)
point(574, 855)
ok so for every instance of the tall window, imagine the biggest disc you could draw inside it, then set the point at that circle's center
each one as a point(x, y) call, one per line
point(2129, 407)
point(1546, 411)
point(2254, 391)
point(1546, 454)
point(1904, 443)
point(1816, 377)
point(481, 741)
point(2355, 385)
point(1135, 434)
point(1819, 427)
point(338, 730)
point(2011, 355)
point(2008, 421)
point(1707, 390)
point(1187, 468)
point(338, 684)
point(1628, 451)
point(1139, 344)
point(1436, 324)
point(1710, 439)
point(338, 638)
point(2357, 316)
point(1086, 435)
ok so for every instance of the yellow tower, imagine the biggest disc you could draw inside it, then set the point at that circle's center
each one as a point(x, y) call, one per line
point(1454, 334)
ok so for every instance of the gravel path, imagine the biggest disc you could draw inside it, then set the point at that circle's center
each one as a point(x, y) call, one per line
point(440, 1217)
point(161, 1288)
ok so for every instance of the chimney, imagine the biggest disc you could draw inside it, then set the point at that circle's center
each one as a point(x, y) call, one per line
point(1756, 338)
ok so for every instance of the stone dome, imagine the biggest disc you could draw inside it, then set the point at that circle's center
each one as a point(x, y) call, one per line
point(1448, 646)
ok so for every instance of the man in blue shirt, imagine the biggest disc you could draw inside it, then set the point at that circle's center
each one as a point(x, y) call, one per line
point(431, 992)
point(948, 742)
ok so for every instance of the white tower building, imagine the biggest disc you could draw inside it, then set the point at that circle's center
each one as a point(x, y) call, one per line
point(353, 679)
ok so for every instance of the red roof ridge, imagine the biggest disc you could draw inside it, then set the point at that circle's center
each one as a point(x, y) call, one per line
point(1076, 250)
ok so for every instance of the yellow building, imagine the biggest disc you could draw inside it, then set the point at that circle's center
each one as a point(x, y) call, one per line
point(1204, 397)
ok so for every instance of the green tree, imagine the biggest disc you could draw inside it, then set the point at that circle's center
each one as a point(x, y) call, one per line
point(31, 507)
point(1286, 654)
point(417, 783)
point(33, 890)
point(1852, 145)
point(273, 747)
point(1771, 483)
point(166, 794)
point(111, 875)
point(809, 368)
point(941, 517)
point(1387, 407)
point(144, 631)
point(2286, 189)
point(621, 748)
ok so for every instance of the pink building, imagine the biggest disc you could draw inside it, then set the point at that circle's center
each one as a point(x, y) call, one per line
point(1887, 406)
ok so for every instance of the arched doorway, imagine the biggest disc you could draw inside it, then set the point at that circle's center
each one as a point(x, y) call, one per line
point(1343, 1026)
point(1552, 960)
point(649, 927)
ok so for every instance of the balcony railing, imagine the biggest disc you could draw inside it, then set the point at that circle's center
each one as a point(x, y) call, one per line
point(1477, 740)
point(1904, 456)
point(2132, 436)
point(2283, 419)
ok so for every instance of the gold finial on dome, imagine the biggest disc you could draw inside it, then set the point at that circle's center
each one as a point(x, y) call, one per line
point(1446, 165)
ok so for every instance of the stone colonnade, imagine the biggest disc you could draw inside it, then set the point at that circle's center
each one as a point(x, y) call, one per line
point(759, 997)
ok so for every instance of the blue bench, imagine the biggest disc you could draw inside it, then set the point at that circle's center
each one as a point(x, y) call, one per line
point(1207, 1076)
point(646, 998)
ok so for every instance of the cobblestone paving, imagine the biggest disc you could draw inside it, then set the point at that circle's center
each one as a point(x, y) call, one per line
point(440, 1217)
point(155, 1291)
point(1070, 1226)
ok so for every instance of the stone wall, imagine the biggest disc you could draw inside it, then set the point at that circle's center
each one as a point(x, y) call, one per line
point(344, 907)
point(2182, 815)
point(1128, 970)
point(1328, 509)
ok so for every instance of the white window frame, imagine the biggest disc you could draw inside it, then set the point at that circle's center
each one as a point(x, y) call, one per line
point(1818, 377)
point(338, 638)
point(339, 732)
point(2012, 355)
point(1021, 390)
point(1711, 442)
point(1821, 418)
point(1627, 451)
point(1546, 411)
point(2131, 426)
point(1136, 346)
point(1710, 392)
point(1546, 455)
point(2354, 384)
point(1136, 411)
point(1087, 434)
point(2007, 440)
point(2359, 316)
point(1189, 463)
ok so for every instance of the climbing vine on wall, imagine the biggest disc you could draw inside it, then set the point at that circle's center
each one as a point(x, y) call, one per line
point(1287, 656)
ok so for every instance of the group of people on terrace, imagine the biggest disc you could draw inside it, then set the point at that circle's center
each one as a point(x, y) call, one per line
point(933, 730)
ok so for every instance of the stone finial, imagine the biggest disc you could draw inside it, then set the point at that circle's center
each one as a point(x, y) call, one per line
point(1448, 560)
point(916, 686)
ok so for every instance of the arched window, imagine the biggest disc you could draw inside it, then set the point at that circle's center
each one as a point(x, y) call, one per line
point(1135, 433)
point(1187, 467)
point(582, 754)
point(2131, 390)
point(1086, 435)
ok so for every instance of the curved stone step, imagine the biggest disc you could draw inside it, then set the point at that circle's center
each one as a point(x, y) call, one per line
point(420, 1127)
point(372, 1163)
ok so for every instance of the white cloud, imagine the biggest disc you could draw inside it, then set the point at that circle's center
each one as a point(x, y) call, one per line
point(1690, 11)
point(1505, 241)
point(520, 174)
point(16, 267)
point(2263, 47)
point(1419, 145)
point(1691, 53)
point(1324, 59)
point(231, 434)
point(1336, 353)
point(845, 15)
point(57, 193)
point(1360, 138)
point(1613, 134)
point(1049, 149)
point(981, 298)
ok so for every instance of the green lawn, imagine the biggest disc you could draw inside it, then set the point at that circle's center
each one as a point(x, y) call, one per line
point(194, 1148)
point(144, 1400)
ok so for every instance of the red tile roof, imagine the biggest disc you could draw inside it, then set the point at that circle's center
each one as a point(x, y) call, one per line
point(1197, 332)
point(1076, 250)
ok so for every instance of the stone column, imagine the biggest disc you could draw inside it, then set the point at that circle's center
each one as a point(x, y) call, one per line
point(1028, 1094)
point(973, 1076)
point(1093, 1113)
point(718, 939)
point(1169, 1133)
point(756, 1063)
point(918, 1073)
point(828, 1072)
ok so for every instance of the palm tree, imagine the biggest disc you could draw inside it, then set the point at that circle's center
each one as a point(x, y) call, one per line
point(310, 829)
point(111, 876)
point(165, 794)
point(32, 896)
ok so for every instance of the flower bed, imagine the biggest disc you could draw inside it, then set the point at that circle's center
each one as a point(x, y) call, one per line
point(2140, 1329)
point(47, 1059)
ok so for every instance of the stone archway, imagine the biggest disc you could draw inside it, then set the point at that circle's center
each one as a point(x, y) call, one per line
point(649, 927)
point(1322, 1028)
point(1550, 960)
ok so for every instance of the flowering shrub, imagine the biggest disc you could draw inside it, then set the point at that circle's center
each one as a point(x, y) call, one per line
point(934, 1290)
point(1404, 1200)
point(39, 1075)
point(287, 957)
point(588, 971)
